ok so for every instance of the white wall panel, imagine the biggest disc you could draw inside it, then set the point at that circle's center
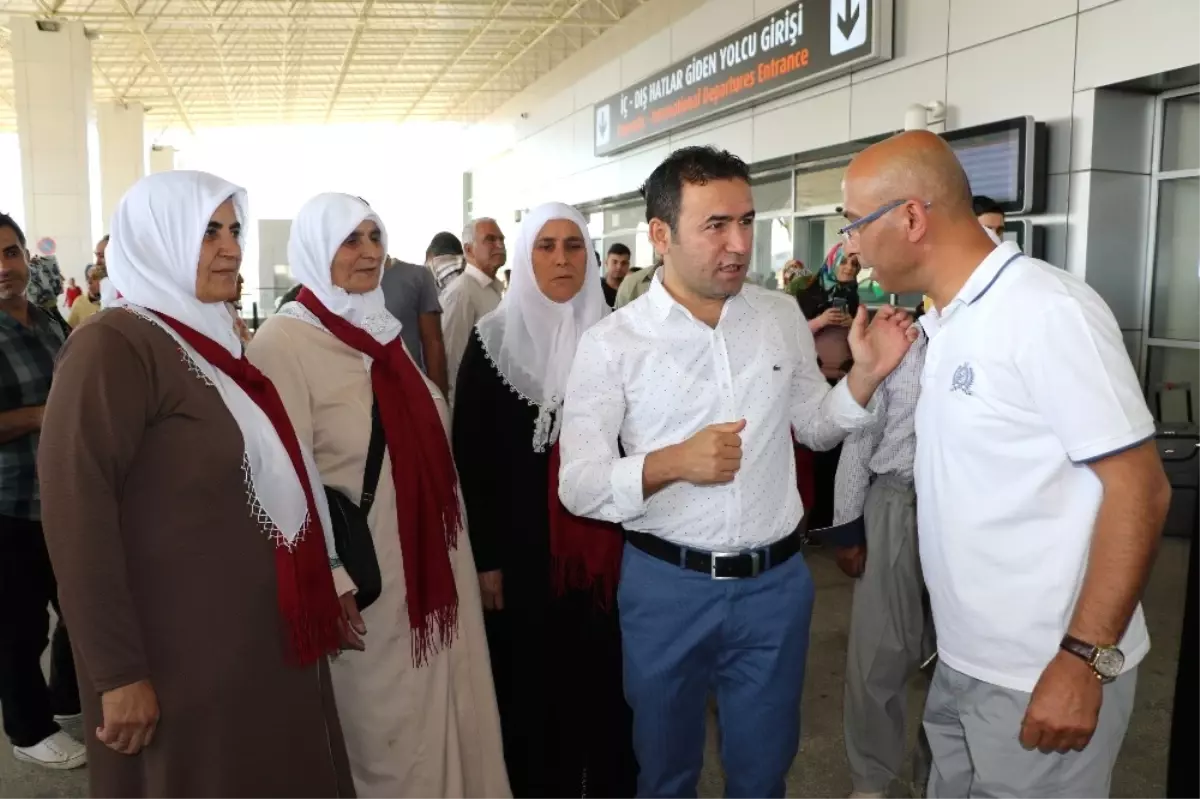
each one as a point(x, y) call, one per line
point(1134, 38)
point(583, 155)
point(816, 122)
point(735, 134)
point(1117, 242)
point(1028, 73)
point(1082, 109)
point(1054, 219)
point(1077, 223)
point(646, 58)
point(877, 106)
point(598, 85)
point(1123, 131)
point(921, 33)
point(973, 22)
point(764, 8)
point(707, 24)
point(635, 169)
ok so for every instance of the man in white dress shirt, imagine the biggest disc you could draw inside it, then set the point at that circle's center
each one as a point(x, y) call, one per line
point(703, 380)
point(474, 293)
point(1040, 494)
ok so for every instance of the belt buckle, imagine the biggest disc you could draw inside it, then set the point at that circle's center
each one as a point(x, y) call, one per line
point(755, 563)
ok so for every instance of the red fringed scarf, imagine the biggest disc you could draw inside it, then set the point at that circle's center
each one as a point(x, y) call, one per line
point(423, 474)
point(306, 595)
point(585, 554)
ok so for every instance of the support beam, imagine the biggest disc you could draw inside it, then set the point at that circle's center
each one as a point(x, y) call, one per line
point(363, 13)
point(496, 14)
point(521, 53)
point(136, 24)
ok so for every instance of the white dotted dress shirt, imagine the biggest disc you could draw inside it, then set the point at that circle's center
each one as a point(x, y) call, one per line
point(653, 375)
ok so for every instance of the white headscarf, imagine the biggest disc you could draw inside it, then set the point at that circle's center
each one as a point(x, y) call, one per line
point(530, 338)
point(319, 229)
point(154, 248)
point(152, 259)
point(108, 294)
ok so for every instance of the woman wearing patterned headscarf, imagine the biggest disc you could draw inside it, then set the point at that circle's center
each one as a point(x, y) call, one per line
point(417, 702)
point(548, 578)
point(187, 525)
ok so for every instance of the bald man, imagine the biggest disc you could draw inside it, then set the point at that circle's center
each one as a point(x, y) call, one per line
point(1041, 497)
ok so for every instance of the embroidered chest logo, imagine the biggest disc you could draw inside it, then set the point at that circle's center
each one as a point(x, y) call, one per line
point(963, 380)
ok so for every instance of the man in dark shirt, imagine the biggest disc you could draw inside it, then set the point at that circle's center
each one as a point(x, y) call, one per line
point(989, 213)
point(29, 341)
point(411, 295)
point(616, 267)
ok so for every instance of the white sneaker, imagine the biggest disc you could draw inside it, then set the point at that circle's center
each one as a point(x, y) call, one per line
point(67, 718)
point(59, 751)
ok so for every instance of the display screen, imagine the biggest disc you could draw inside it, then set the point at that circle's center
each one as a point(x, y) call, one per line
point(993, 164)
point(1005, 161)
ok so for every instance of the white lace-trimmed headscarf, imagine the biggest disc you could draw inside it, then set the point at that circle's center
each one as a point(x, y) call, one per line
point(530, 338)
point(319, 229)
point(152, 258)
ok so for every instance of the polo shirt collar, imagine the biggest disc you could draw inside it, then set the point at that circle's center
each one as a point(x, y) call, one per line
point(986, 274)
point(977, 285)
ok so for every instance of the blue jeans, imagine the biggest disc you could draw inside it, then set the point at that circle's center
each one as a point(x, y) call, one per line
point(685, 634)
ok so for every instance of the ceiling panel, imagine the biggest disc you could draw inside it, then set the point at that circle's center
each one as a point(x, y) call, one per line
point(201, 63)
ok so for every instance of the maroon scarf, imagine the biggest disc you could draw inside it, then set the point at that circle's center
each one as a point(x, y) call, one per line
point(585, 554)
point(423, 474)
point(305, 592)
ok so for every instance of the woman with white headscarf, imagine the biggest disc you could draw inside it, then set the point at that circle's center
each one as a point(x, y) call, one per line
point(417, 702)
point(548, 578)
point(187, 526)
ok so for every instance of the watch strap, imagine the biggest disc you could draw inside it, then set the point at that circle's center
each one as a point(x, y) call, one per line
point(1080, 649)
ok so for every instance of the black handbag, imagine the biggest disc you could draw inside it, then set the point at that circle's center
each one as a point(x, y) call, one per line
point(351, 532)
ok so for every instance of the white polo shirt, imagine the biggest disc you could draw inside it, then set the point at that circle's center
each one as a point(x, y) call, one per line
point(1026, 381)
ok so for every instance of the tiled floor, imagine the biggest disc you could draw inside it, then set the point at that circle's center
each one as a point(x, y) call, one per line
point(820, 768)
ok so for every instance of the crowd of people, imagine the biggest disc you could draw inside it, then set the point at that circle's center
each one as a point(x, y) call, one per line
point(429, 533)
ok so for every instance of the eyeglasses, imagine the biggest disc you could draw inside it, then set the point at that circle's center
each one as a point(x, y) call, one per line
point(858, 224)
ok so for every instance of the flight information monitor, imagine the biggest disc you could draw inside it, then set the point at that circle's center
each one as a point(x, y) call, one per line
point(1005, 161)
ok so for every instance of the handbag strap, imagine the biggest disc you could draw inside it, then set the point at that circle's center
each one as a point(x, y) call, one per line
point(374, 460)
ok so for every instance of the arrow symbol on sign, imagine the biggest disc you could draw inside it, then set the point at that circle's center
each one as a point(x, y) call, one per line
point(848, 20)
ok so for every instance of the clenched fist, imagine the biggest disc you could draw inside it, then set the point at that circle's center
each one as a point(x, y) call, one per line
point(713, 455)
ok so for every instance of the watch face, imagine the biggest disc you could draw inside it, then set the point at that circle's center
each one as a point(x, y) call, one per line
point(1109, 663)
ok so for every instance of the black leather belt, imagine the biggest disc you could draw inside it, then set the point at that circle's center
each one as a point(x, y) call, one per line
point(720, 565)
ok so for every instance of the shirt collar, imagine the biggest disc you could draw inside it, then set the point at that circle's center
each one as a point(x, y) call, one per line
point(38, 319)
point(478, 275)
point(987, 272)
point(661, 301)
point(977, 285)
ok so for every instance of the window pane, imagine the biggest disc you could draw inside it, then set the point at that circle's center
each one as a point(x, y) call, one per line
point(1176, 298)
point(596, 224)
point(772, 249)
point(1181, 133)
point(625, 217)
point(817, 189)
point(1173, 365)
point(638, 243)
point(773, 196)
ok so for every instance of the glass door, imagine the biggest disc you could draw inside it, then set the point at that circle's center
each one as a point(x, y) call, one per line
point(1170, 354)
